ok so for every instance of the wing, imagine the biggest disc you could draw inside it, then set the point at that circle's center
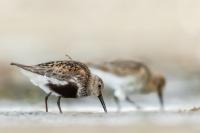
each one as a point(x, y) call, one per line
point(124, 68)
point(70, 71)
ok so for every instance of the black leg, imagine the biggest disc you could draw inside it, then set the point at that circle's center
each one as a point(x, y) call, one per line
point(58, 103)
point(46, 100)
point(118, 103)
point(132, 102)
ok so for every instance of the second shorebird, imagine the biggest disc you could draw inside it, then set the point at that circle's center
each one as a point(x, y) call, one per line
point(65, 79)
point(126, 77)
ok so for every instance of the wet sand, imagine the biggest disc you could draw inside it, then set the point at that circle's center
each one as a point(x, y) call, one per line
point(143, 128)
point(138, 121)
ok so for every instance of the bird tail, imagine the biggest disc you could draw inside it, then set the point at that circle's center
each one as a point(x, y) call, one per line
point(28, 68)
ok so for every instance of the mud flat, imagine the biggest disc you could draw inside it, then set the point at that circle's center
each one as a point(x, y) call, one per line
point(142, 121)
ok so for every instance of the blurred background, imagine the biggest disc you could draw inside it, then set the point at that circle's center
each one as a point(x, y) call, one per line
point(163, 34)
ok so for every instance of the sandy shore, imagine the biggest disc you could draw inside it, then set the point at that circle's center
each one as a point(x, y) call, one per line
point(165, 122)
point(144, 128)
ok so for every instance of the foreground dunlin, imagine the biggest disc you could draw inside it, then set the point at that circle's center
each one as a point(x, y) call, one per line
point(65, 79)
point(126, 77)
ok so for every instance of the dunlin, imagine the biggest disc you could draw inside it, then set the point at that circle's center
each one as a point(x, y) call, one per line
point(127, 77)
point(64, 79)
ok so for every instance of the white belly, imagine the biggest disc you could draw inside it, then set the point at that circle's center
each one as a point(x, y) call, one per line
point(42, 81)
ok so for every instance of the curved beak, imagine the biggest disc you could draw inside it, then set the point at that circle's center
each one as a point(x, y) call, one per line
point(102, 102)
point(160, 96)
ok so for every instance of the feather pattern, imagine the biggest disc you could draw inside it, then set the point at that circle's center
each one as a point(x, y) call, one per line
point(58, 73)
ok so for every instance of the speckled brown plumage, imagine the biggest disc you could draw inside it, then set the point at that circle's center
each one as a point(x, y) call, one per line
point(65, 79)
point(61, 70)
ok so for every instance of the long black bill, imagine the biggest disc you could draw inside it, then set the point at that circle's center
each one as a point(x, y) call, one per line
point(160, 96)
point(102, 102)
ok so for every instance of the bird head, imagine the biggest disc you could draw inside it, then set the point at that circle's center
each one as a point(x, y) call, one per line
point(158, 83)
point(96, 87)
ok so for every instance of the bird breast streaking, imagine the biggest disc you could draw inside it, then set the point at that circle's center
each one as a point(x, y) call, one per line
point(127, 77)
point(64, 79)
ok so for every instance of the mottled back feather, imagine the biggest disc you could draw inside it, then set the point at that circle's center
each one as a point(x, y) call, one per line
point(70, 71)
point(124, 68)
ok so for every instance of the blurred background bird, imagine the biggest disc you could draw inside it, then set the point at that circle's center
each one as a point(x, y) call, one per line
point(127, 77)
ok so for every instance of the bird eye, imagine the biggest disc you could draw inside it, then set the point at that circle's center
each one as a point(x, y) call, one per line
point(99, 86)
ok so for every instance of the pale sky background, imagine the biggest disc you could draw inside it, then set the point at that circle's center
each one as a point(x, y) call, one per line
point(42, 30)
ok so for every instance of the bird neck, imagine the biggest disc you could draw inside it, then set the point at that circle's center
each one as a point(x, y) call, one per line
point(90, 86)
